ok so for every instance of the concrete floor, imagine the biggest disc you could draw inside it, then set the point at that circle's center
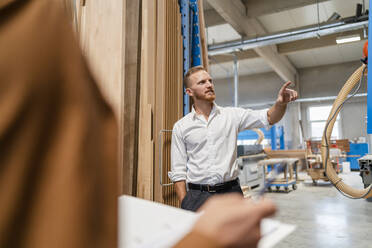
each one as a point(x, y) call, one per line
point(324, 217)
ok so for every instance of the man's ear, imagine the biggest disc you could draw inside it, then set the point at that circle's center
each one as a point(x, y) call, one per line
point(189, 92)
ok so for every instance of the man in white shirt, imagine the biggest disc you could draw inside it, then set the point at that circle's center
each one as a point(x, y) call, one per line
point(203, 151)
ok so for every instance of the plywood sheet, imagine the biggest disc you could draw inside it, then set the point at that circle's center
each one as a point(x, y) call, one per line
point(102, 43)
point(130, 98)
point(161, 88)
point(145, 141)
point(101, 31)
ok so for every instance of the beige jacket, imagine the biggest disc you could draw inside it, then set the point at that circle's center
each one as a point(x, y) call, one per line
point(58, 169)
point(58, 137)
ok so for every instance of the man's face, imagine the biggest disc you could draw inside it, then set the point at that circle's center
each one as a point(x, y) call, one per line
point(201, 86)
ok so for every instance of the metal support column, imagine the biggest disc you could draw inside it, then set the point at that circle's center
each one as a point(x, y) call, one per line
point(236, 80)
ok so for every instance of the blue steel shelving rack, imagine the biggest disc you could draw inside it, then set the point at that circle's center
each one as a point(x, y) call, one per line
point(191, 41)
point(192, 57)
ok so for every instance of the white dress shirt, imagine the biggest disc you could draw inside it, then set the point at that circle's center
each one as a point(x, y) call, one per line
point(204, 152)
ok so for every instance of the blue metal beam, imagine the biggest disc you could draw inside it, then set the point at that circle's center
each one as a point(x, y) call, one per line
point(185, 28)
point(281, 137)
point(273, 137)
point(195, 51)
point(191, 41)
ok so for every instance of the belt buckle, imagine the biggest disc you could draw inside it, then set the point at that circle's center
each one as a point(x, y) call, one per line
point(209, 190)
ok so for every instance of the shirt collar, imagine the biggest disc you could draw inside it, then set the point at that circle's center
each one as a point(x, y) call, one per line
point(215, 109)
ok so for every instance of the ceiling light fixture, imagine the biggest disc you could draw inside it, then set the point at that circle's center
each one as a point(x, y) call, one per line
point(334, 17)
point(346, 39)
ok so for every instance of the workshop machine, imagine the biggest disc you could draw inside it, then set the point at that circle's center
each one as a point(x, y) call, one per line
point(251, 175)
point(365, 165)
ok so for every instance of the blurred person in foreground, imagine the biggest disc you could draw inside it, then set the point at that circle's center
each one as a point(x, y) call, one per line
point(58, 144)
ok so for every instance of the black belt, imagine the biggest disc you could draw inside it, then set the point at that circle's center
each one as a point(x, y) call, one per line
point(214, 188)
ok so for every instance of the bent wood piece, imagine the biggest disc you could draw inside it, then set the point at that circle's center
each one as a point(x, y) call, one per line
point(330, 171)
point(261, 135)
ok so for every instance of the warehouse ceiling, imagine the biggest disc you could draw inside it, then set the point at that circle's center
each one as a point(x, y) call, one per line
point(234, 20)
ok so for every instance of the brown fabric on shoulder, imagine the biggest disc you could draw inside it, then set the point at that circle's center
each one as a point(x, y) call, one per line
point(195, 239)
point(3, 3)
point(58, 137)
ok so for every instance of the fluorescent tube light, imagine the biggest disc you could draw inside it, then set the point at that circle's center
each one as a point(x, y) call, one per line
point(334, 17)
point(345, 39)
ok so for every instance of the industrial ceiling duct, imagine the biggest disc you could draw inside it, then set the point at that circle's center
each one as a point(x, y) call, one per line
point(346, 24)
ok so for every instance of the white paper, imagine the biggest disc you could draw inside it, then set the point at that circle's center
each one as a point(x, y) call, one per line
point(145, 224)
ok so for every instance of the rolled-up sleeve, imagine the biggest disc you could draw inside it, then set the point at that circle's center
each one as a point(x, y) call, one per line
point(178, 156)
point(249, 119)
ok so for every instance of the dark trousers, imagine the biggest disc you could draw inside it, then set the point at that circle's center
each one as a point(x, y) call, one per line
point(194, 198)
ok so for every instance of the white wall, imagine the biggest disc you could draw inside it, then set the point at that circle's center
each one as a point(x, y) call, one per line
point(353, 122)
point(327, 81)
point(253, 89)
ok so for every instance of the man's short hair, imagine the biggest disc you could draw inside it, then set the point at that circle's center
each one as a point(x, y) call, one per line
point(192, 70)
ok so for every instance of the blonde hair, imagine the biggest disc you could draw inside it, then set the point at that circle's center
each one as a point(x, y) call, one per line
point(192, 70)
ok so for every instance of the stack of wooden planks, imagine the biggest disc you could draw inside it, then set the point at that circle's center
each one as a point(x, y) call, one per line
point(110, 37)
point(160, 96)
point(134, 49)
